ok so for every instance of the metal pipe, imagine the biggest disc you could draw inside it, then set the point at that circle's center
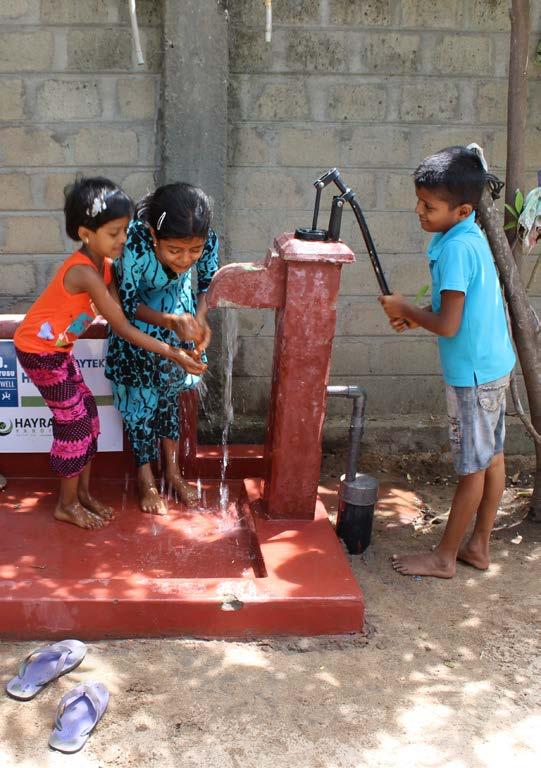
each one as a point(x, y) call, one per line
point(356, 426)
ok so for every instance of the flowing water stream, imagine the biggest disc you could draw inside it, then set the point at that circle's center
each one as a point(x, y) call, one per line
point(231, 330)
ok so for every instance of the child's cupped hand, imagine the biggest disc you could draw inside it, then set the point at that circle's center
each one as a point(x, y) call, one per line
point(189, 360)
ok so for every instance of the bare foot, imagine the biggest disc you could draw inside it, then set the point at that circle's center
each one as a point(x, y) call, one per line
point(186, 492)
point(429, 564)
point(150, 500)
point(78, 515)
point(473, 555)
point(91, 503)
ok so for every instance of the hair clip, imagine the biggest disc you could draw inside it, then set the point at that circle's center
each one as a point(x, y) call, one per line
point(473, 147)
point(98, 205)
point(160, 221)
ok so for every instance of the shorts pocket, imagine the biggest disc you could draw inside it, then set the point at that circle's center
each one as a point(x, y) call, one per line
point(490, 396)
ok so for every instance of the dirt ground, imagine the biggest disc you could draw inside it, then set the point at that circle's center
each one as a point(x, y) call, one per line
point(446, 675)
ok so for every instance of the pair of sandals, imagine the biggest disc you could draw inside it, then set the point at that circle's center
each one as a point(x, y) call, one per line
point(79, 710)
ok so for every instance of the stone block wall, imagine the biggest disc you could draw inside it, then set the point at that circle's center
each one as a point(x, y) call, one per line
point(72, 99)
point(371, 87)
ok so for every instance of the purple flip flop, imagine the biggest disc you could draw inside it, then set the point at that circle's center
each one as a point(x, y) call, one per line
point(78, 713)
point(44, 665)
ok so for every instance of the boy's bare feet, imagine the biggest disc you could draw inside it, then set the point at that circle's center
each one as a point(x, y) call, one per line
point(429, 564)
point(92, 504)
point(78, 515)
point(150, 500)
point(474, 555)
point(186, 492)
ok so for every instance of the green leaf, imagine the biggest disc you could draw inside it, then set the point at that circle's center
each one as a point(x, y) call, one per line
point(511, 211)
point(511, 225)
point(519, 201)
point(421, 293)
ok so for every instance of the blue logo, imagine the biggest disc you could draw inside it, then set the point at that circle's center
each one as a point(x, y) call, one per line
point(8, 376)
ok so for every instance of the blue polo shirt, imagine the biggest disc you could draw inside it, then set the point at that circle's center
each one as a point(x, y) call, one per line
point(481, 351)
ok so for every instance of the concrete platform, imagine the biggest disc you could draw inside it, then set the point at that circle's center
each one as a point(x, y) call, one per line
point(194, 572)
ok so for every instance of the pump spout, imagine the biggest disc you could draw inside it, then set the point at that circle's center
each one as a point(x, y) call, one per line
point(257, 284)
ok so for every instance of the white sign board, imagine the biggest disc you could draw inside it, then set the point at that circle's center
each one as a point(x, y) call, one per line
point(25, 420)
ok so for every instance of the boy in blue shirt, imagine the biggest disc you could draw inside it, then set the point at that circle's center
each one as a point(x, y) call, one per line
point(467, 314)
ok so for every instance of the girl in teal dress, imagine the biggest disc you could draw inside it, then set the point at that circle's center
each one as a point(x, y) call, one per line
point(168, 236)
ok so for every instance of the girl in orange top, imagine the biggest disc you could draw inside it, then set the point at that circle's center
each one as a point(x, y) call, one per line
point(97, 213)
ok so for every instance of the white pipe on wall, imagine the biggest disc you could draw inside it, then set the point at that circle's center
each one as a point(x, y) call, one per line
point(268, 21)
point(135, 33)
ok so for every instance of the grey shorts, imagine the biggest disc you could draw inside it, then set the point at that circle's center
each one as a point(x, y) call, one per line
point(476, 424)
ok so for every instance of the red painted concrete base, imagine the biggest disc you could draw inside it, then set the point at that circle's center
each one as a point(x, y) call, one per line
point(191, 573)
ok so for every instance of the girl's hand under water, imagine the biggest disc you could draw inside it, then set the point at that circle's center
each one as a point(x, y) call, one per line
point(187, 360)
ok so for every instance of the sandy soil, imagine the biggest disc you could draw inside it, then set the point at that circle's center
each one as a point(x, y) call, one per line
point(447, 674)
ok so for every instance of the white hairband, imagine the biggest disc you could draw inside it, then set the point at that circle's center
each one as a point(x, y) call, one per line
point(160, 221)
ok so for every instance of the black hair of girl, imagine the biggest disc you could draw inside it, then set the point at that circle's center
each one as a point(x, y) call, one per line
point(176, 210)
point(93, 202)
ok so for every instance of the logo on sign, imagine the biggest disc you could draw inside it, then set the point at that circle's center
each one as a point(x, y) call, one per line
point(5, 428)
point(8, 376)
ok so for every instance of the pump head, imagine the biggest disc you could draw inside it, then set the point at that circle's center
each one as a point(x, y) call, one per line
point(332, 233)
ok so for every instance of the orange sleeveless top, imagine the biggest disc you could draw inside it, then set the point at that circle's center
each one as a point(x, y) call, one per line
point(58, 318)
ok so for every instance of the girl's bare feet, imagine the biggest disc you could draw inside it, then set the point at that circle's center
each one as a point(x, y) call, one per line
point(474, 555)
point(91, 503)
point(150, 500)
point(78, 515)
point(429, 564)
point(187, 493)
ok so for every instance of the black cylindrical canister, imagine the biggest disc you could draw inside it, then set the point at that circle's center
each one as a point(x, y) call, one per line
point(356, 512)
point(354, 527)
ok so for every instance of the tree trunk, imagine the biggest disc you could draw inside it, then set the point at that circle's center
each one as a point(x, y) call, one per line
point(535, 507)
point(517, 100)
point(525, 325)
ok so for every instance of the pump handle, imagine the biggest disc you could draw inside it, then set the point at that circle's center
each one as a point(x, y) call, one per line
point(333, 175)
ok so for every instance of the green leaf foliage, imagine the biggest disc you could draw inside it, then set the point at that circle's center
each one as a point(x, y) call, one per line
point(511, 210)
point(421, 293)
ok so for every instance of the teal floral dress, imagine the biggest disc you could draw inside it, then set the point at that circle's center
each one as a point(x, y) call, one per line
point(145, 385)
